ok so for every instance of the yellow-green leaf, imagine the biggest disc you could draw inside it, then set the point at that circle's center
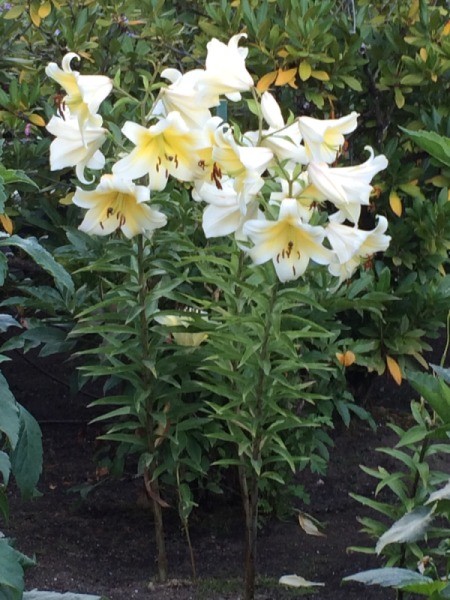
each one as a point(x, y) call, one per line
point(320, 75)
point(304, 70)
point(37, 120)
point(34, 14)
point(399, 98)
point(395, 202)
point(45, 9)
point(15, 12)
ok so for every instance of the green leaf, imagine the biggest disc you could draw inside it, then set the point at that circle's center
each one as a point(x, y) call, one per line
point(436, 145)
point(9, 413)
point(11, 571)
point(43, 258)
point(435, 391)
point(410, 528)
point(413, 435)
point(26, 460)
point(15, 176)
point(5, 466)
point(388, 577)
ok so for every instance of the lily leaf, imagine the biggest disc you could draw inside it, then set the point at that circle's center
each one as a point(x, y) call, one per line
point(297, 581)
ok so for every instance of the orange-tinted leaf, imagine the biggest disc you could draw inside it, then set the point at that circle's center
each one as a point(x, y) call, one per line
point(266, 81)
point(36, 120)
point(304, 70)
point(346, 358)
point(394, 369)
point(446, 30)
point(285, 77)
point(320, 75)
point(7, 224)
point(395, 202)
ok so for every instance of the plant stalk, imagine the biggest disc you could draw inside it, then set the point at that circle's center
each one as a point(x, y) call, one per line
point(152, 484)
point(250, 482)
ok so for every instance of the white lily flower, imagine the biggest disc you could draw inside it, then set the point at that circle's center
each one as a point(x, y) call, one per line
point(288, 242)
point(84, 93)
point(244, 164)
point(223, 214)
point(283, 140)
point(225, 69)
point(184, 97)
point(72, 148)
point(306, 194)
point(166, 148)
point(323, 139)
point(352, 245)
point(348, 188)
point(118, 204)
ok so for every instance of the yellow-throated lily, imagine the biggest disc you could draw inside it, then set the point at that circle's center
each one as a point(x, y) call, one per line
point(71, 148)
point(351, 245)
point(244, 164)
point(84, 93)
point(323, 139)
point(166, 148)
point(283, 140)
point(288, 242)
point(223, 215)
point(348, 188)
point(118, 203)
point(225, 71)
point(183, 96)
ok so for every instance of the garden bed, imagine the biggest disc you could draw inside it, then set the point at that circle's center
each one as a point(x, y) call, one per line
point(104, 544)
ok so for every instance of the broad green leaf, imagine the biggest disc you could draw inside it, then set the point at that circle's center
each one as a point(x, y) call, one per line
point(410, 528)
point(26, 460)
point(412, 436)
point(11, 571)
point(43, 258)
point(9, 413)
point(15, 176)
point(388, 577)
point(436, 145)
point(7, 321)
point(435, 391)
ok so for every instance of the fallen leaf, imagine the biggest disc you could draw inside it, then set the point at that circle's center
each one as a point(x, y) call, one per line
point(297, 581)
point(394, 369)
point(308, 526)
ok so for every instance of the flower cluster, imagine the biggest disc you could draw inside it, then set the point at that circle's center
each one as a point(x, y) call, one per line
point(228, 172)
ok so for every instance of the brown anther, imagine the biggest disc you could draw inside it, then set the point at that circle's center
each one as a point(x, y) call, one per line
point(289, 249)
point(294, 271)
point(101, 225)
point(202, 164)
point(109, 212)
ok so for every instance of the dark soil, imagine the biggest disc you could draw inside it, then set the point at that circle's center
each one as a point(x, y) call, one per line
point(105, 545)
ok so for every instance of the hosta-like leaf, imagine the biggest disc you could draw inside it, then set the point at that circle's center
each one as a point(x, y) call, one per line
point(26, 460)
point(388, 577)
point(9, 413)
point(436, 145)
point(11, 572)
point(409, 528)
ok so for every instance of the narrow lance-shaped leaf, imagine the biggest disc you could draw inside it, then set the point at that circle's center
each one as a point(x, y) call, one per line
point(9, 413)
point(43, 258)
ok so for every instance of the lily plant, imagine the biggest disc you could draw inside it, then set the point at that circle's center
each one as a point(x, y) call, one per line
point(311, 214)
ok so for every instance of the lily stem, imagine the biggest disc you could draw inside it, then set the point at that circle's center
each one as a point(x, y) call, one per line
point(152, 483)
